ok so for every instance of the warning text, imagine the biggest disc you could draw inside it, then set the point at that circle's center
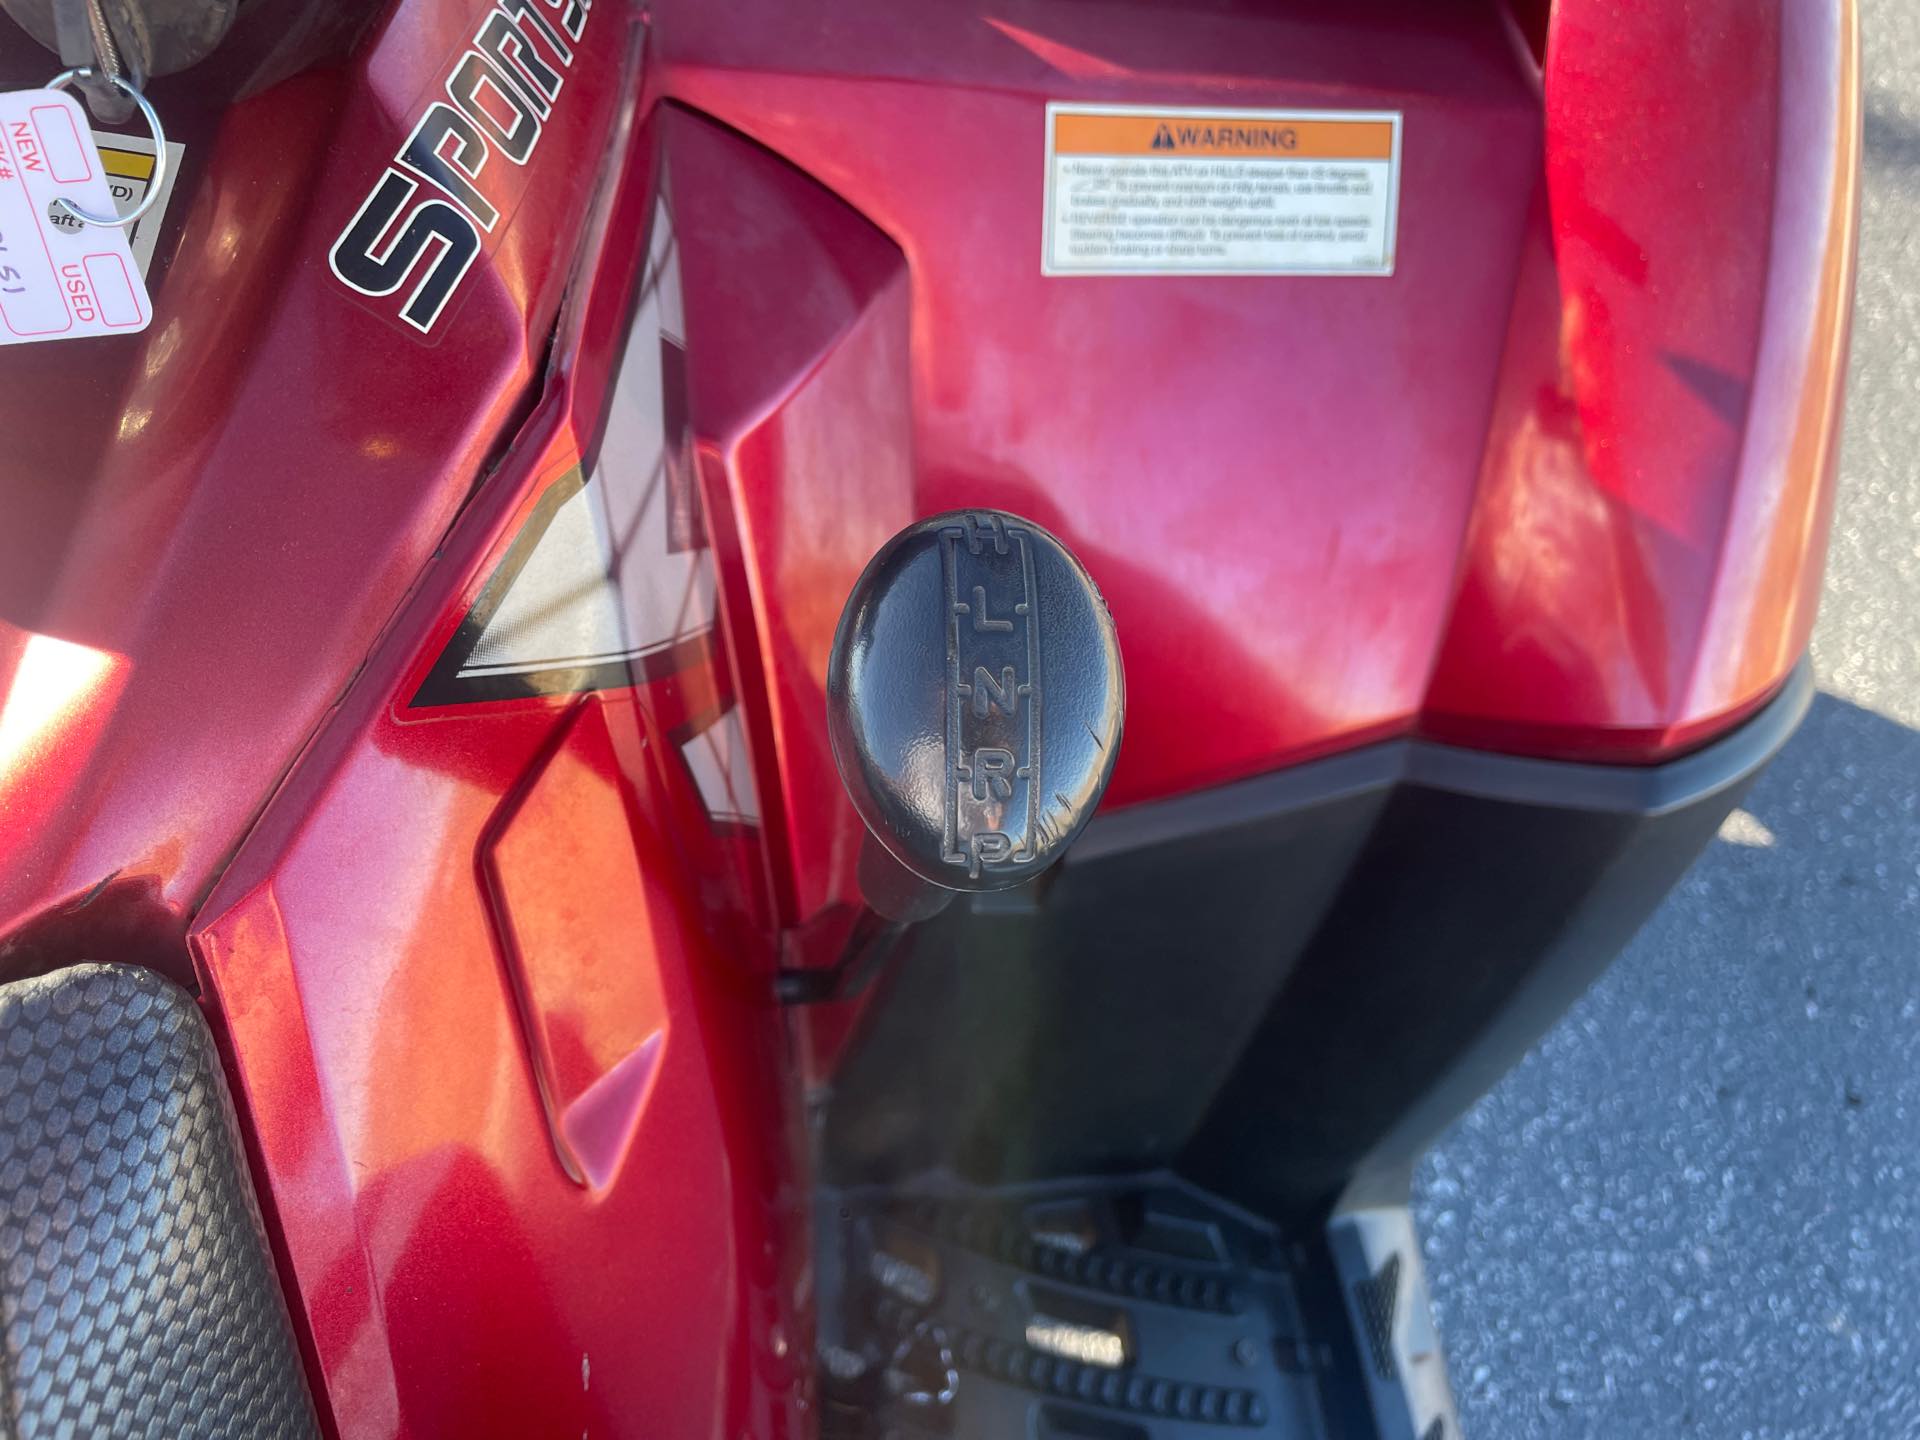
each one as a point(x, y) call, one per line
point(1164, 212)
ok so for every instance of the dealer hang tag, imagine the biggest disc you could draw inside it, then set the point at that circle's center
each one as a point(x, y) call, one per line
point(59, 280)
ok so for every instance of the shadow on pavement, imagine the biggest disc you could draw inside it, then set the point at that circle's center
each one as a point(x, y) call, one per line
point(1892, 141)
point(1706, 1181)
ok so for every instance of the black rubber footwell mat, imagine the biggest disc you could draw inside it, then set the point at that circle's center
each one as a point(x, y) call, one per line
point(137, 1294)
point(1130, 1311)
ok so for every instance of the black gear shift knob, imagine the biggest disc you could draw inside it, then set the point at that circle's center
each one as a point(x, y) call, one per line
point(974, 699)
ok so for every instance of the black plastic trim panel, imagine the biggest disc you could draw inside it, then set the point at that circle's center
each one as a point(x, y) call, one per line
point(1279, 988)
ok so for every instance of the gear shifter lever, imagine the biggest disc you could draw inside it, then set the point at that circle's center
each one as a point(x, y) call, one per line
point(974, 700)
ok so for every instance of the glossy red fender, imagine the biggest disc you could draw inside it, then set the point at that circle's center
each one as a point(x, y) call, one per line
point(226, 511)
point(521, 1084)
point(1559, 485)
point(1651, 522)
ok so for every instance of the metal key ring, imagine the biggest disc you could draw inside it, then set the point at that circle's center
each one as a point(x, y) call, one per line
point(86, 72)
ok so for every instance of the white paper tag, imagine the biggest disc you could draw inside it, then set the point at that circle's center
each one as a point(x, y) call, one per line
point(58, 283)
point(129, 163)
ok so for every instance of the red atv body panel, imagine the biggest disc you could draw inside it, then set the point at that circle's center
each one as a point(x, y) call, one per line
point(1558, 487)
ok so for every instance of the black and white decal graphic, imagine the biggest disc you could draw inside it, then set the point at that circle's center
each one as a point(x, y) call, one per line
point(722, 768)
point(610, 582)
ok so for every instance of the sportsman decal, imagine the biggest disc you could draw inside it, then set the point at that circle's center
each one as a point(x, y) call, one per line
point(424, 222)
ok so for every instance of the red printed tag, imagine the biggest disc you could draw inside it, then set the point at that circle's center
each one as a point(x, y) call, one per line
point(59, 281)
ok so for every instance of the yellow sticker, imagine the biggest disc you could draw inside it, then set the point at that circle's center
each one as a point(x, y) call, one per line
point(128, 161)
point(1138, 190)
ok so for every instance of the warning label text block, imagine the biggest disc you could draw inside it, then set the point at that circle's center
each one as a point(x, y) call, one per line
point(1136, 191)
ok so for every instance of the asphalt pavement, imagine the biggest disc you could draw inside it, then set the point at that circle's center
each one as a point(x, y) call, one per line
point(1694, 1209)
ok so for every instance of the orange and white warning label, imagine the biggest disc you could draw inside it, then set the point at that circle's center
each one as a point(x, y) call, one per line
point(1134, 190)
